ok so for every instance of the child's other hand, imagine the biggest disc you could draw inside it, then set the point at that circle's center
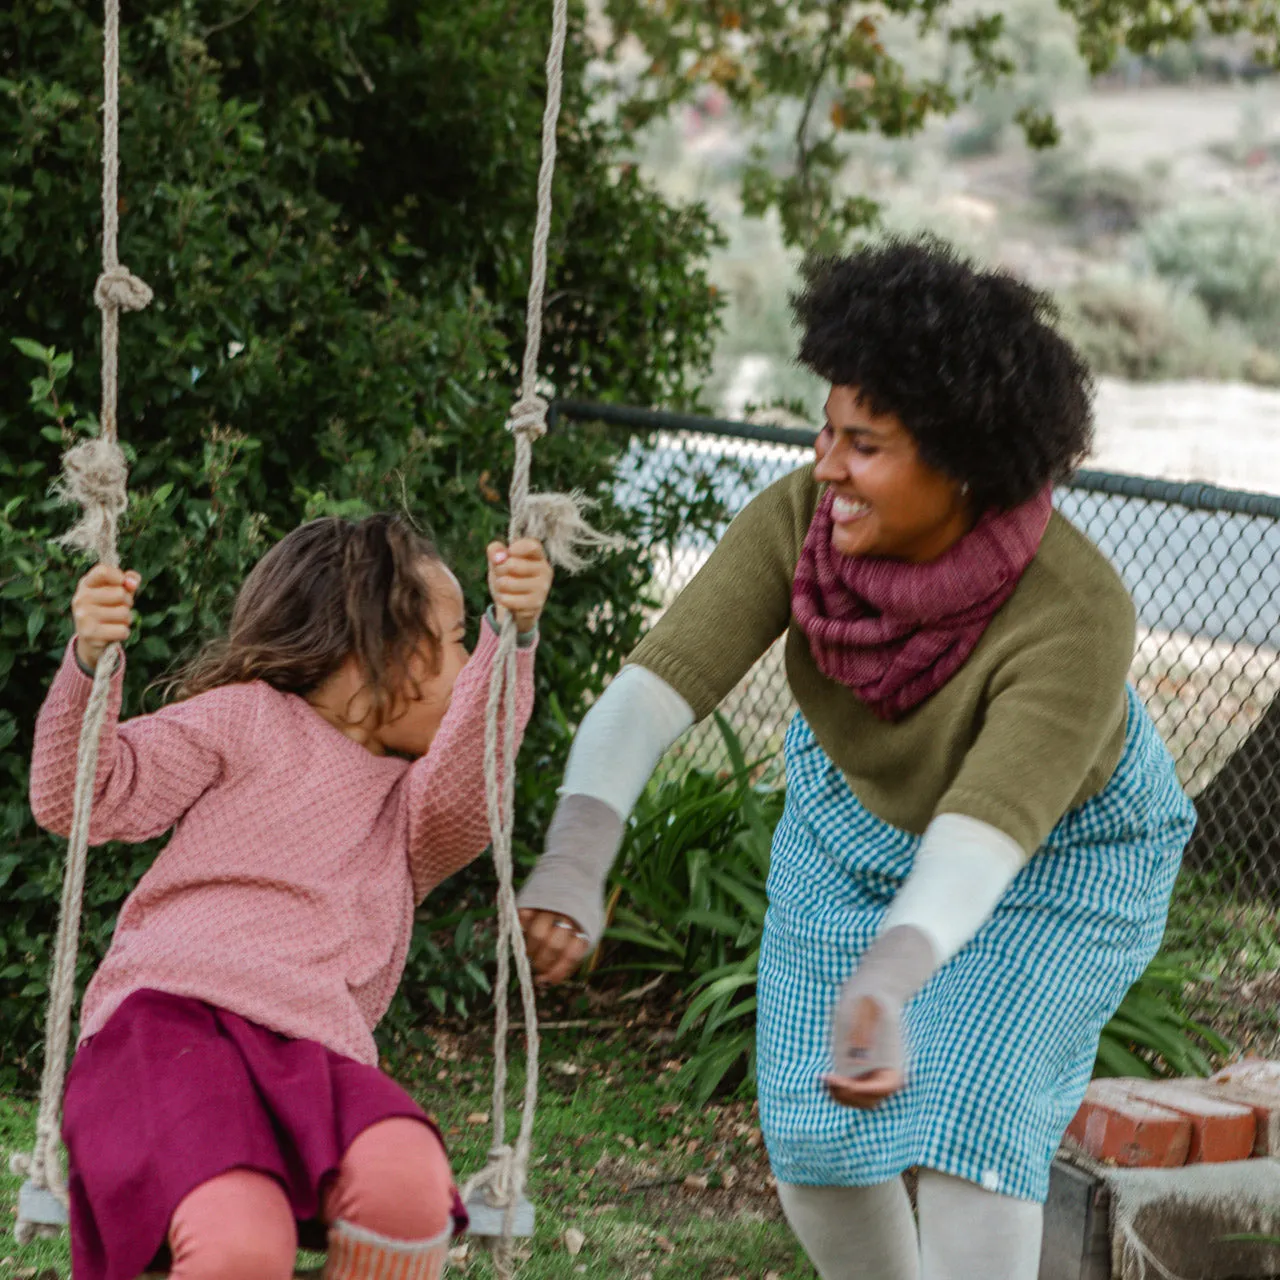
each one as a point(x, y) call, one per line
point(103, 609)
point(519, 580)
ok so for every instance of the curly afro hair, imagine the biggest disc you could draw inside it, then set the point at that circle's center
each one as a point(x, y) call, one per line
point(968, 360)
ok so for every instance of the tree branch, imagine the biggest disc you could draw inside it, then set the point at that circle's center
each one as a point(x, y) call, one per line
point(231, 22)
point(838, 12)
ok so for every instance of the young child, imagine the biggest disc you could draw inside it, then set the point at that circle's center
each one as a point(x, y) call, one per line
point(323, 771)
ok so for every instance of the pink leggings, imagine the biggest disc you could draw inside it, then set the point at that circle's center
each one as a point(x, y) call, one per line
point(394, 1179)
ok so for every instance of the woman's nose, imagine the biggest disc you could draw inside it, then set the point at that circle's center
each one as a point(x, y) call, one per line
point(831, 463)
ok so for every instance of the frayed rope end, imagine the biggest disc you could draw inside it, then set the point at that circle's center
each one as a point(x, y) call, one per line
point(94, 477)
point(558, 521)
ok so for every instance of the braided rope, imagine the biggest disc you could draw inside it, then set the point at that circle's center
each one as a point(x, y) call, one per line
point(556, 521)
point(94, 476)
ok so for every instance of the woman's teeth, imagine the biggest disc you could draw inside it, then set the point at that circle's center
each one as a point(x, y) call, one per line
point(843, 509)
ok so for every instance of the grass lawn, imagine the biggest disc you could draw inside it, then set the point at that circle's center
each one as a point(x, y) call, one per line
point(656, 1188)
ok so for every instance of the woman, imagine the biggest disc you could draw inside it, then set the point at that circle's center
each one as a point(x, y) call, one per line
point(982, 825)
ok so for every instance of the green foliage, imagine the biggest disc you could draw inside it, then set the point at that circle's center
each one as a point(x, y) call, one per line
point(333, 202)
point(1097, 199)
point(832, 71)
point(1225, 252)
point(1141, 328)
point(1045, 68)
point(689, 902)
point(1151, 1034)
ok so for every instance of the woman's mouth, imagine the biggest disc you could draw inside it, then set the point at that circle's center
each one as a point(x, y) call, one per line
point(847, 510)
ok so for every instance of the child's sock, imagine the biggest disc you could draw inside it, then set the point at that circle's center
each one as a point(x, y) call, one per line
point(356, 1253)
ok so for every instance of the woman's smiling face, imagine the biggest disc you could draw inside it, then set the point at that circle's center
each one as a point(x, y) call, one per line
point(888, 501)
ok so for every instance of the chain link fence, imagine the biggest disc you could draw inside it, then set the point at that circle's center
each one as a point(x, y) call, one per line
point(1203, 566)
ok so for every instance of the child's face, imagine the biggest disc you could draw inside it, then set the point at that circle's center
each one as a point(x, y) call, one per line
point(412, 724)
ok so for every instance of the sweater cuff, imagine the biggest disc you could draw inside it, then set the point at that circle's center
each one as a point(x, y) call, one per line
point(524, 639)
point(72, 666)
point(569, 879)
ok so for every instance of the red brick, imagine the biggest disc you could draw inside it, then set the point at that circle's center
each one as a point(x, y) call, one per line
point(1118, 1128)
point(1220, 1130)
point(1257, 1089)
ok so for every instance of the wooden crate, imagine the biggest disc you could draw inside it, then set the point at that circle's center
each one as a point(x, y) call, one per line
point(1077, 1226)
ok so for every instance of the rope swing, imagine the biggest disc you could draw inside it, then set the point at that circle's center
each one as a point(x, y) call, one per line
point(94, 476)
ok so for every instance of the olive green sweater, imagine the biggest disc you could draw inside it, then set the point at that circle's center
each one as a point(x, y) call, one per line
point(1030, 727)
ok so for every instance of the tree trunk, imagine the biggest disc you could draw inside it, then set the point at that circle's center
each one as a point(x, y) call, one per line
point(1240, 811)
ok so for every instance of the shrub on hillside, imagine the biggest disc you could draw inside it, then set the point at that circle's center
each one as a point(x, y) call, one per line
point(1096, 199)
point(1145, 330)
point(1227, 252)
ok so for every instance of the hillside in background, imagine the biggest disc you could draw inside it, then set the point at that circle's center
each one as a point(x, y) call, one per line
point(1155, 221)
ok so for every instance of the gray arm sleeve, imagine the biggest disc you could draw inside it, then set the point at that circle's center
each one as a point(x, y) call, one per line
point(616, 749)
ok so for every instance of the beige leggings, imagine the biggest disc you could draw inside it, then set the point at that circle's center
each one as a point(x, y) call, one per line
point(868, 1233)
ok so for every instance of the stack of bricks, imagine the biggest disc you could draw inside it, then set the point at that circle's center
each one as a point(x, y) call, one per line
point(1234, 1115)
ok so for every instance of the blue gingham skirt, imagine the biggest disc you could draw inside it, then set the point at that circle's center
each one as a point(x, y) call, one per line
point(1002, 1039)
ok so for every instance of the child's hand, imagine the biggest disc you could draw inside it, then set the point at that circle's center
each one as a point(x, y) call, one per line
point(519, 581)
point(103, 609)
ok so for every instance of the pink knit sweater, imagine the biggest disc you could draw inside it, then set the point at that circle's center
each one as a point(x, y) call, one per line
point(286, 894)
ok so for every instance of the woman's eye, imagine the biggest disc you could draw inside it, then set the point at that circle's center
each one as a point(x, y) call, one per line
point(865, 450)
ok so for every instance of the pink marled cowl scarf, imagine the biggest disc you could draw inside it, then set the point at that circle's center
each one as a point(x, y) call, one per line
point(895, 632)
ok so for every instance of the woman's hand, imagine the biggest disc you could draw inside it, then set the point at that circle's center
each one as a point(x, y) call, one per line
point(519, 581)
point(102, 608)
point(867, 1044)
point(556, 944)
point(863, 1031)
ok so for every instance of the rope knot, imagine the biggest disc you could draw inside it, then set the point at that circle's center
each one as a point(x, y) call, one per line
point(528, 418)
point(495, 1182)
point(94, 476)
point(118, 287)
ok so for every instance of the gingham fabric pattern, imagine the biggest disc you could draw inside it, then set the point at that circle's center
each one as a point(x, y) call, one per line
point(1002, 1039)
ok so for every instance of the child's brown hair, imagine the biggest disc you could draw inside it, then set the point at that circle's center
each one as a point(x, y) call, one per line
point(329, 589)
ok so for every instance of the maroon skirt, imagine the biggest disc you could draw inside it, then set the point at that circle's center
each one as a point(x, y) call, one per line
point(173, 1092)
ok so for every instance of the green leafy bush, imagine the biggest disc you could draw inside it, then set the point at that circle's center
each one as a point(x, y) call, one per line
point(334, 205)
point(1225, 251)
point(1096, 199)
point(688, 901)
point(1152, 1034)
point(1145, 329)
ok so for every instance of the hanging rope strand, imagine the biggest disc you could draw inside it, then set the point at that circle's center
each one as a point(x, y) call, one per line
point(94, 476)
point(556, 520)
